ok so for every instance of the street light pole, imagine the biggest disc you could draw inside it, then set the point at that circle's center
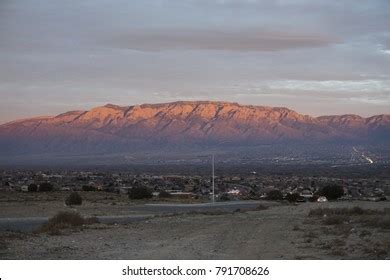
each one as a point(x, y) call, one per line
point(213, 178)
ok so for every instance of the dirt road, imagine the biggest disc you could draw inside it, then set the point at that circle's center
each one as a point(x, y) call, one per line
point(280, 232)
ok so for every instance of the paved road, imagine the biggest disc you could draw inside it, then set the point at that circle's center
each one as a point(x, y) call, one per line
point(145, 211)
point(198, 207)
point(21, 224)
point(30, 224)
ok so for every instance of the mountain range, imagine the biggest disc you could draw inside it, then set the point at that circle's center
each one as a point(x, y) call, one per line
point(113, 128)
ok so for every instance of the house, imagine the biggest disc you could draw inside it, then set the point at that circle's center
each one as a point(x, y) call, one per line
point(182, 194)
point(379, 192)
point(124, 190)
point(322, 199)
point(306, 194)
point(234, 192)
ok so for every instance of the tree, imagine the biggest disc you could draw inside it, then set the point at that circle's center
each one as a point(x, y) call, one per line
point(45, 187)
point(87, 188)
point(140, 192)
point(224, 197)
point(292, 197)
point(32, 188)
point(275, 195)
point(332, 192)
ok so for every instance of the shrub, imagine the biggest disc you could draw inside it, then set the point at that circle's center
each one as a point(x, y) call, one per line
point(377, 222)
point(32, 188)
point(296, 228)
point(342, 211)
point(275, 195)
point(140, 192)
point(332, 192)
point(334, 220)
point(164, 194)
point(261, 207)
point(74, 199)
point(87, 188)
point(64, 220)
point(45, 187)
point(292, 197)
point(311, 235)
point(224, 197)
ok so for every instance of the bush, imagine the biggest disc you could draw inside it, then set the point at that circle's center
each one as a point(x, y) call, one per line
point(140, 192)
point(65, 220)
point(314, 198)
point(334, 220)
point(292, 197)
point(87, 188)
point(377, 222)
point(74, 199)
point(342, 211)
point(164, 194)
point(45, 187)
point(224, 197)
point(332, 192)
point(32, 188)
point(275, 195)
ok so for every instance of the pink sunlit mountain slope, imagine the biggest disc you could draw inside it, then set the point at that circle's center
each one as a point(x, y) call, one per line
point(112, 128)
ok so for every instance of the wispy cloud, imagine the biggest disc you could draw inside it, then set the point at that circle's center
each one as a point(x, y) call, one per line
point(331, 85)
point(239, 40)
point(316, 56)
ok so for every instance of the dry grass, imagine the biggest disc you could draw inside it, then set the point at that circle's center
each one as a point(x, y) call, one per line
point(334, 220)
point(355, 211)
point(339, 252)
point(338, 216)
point(63, 220)
point(376, 222)
point(376, 252)
point(365, 233)
point(296, 228)
point(311, 235)
point(352, 228)
point(336, 243)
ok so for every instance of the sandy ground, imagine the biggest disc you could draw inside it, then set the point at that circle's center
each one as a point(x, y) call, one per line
point(280, 232)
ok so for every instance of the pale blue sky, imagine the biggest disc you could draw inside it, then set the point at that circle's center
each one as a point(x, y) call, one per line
point(316, 56)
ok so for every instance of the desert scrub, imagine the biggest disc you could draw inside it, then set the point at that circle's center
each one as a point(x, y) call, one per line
point(355, 211)
point(64, 220)
point(335, 220)
point(74, 199)
point(367, 217)
point(377, 222)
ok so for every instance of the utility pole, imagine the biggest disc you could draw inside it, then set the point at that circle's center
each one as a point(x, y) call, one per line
point(212, 163)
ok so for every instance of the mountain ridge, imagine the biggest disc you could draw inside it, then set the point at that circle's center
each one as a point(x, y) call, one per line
point(154, 105)
point(112, 127)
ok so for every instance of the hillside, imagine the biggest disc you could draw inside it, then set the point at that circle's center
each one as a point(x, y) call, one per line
point(112, 128)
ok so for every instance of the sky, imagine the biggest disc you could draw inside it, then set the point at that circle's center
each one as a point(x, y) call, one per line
point(317, 57)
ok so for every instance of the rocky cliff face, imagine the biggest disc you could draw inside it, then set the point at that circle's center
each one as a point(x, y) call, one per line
point(111, 127)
